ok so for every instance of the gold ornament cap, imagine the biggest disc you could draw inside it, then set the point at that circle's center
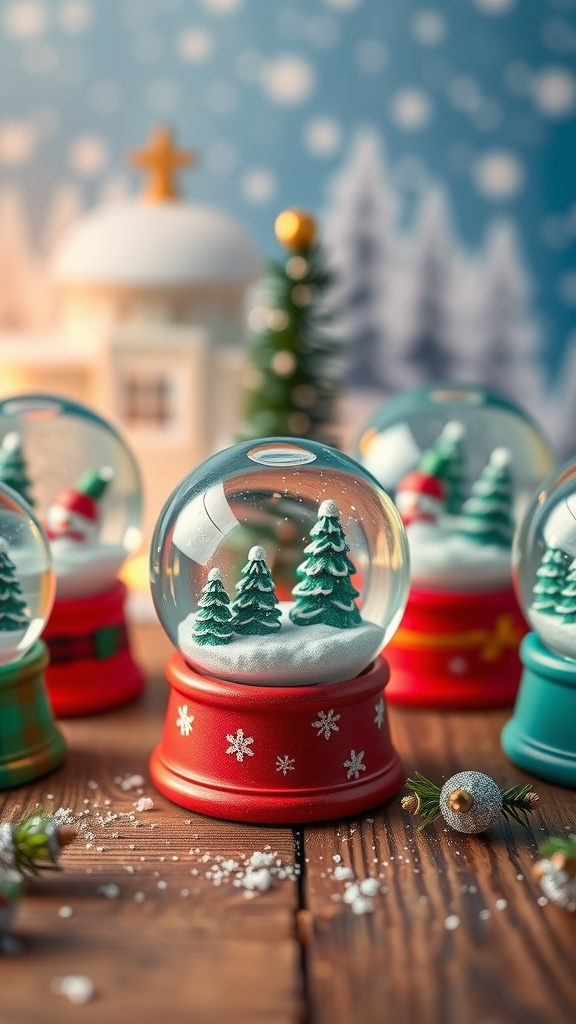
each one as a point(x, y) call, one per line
point(295, 229)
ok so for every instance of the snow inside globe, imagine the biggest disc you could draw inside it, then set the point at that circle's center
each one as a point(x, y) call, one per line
point(76, 472)
point(26, 577)
point(461, 463)
point(544, 562)
point(279, 562)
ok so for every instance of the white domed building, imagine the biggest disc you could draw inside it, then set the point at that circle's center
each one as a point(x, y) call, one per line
point(150, 323)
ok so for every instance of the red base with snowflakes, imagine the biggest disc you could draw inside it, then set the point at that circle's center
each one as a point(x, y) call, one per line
point(91, 666)
point(457, 650)
point(276, 754)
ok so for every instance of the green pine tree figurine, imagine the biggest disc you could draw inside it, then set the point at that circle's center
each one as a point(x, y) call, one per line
point(325, 593)
point(550, 577)
point(291, 384)
point(13, 466)
point(566, 604)
point(13, 612)
point(255, 612)
point(488, 512)
point(445, 460)
point(212, 623)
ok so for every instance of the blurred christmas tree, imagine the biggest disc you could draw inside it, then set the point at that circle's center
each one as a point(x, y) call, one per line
point(291, 381)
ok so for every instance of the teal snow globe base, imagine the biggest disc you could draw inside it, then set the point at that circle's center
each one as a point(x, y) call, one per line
point(540, 735)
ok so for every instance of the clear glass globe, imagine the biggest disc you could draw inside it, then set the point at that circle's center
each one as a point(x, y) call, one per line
point(544, 562)
point(461, 463)
point(27, 582)
point(279, 562)
point(82, 481)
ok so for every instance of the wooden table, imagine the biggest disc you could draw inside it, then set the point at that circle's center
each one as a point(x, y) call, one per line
point(457, 935)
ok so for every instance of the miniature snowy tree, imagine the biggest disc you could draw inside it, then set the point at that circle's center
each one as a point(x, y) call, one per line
point(212, 622)
point(255, 612)
point(431, 349)
point(13, 466)
point(550, 577)
point(325, 593)
point(291, 383)
point(488, 512)
point(361, 241)
point(13, 612)
point(445, 460)
point(566, 605)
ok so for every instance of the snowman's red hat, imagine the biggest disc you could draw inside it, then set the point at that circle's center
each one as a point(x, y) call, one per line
point(83, 499)
point(419, 482)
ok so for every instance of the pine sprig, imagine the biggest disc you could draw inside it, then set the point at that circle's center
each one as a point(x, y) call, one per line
point(559, 844)
point(38, 841)
point(517, 803)
point(427, 799)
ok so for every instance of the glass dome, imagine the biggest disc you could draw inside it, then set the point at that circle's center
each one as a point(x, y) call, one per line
point(82, 481)
point(27, 582)
point(462, 463)
point(279, 562)
point(544, 561)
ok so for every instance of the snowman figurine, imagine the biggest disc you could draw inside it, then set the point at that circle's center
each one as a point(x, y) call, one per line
point(74, 514)
point(420, 498)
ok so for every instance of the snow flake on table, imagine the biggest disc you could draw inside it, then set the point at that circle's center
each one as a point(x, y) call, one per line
point(380, 711)
point(184, 720)
point(354, 765)
point(285, 764)
point(326, 723)
point(239, 745)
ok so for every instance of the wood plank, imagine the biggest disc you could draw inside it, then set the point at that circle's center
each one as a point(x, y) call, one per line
point(209, 955)
point(506, 958)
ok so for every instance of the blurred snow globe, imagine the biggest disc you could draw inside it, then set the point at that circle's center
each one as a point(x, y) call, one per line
point(27, 582)
point(544, 562)
point(288, 510)
point(77, 473)
point(461, 463)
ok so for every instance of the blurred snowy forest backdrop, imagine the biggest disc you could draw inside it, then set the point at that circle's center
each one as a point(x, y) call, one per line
point(435, 141)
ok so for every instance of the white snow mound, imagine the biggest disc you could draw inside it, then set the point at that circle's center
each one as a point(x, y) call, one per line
point(85, 569)
point(294, 656)
point(559, 636)
point(443, 560)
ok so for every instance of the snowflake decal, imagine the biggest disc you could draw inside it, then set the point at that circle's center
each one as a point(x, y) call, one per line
point(326, 723)
point(354, 765)
point(239, 745)
point(285, 764)
point(184, 721)
point(379, 709)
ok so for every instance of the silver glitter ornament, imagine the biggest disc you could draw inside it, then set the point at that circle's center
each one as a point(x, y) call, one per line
point(482, 808)
point(558, 885)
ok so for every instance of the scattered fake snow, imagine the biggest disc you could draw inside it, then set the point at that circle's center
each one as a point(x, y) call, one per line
point(441, 559)
point(78, 988)
point(294, 656)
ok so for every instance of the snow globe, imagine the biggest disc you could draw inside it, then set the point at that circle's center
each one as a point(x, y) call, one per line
point(541, 735)
point(276, 711)
point(30, 742)
point(461, 463)
point(76, 471)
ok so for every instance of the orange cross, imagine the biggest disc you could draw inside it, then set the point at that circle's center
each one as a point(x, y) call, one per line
point(161, 159)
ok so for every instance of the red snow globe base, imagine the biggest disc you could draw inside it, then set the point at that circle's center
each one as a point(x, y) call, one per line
point(91, 667)
point(457, 650)
point(272, 754)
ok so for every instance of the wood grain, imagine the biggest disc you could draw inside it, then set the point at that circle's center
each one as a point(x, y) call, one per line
point(296, 954)
point(208, 956)
point(505, 959)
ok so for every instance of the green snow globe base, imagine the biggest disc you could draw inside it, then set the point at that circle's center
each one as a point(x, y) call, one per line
point(541, 736)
